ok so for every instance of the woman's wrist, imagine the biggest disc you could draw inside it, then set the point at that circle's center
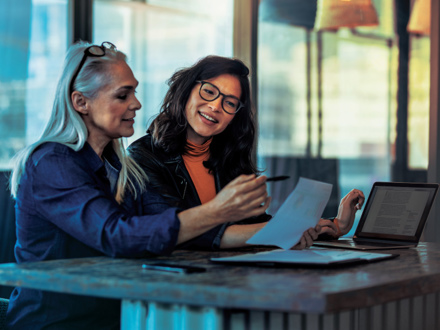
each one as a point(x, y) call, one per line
point(237, 235)
point(196, 221)
point(336, 222)
point(339, 231)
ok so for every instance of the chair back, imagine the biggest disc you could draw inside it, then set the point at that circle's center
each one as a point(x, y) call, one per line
point(7, 228)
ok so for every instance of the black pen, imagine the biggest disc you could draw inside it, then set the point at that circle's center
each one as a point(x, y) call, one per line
point(278, 178)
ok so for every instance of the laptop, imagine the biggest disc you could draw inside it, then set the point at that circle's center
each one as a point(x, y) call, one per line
point(394, 217)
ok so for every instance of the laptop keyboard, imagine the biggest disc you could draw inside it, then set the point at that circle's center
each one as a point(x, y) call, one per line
point(375, 244)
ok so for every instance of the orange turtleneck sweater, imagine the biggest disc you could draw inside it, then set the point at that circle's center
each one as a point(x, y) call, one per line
point(193, 158)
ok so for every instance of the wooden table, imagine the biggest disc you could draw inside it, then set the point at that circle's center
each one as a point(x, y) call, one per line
point(401, 293)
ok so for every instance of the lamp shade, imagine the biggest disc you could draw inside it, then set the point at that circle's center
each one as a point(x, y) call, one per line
point(333, 14)
point(320, 14)
point(420, 19)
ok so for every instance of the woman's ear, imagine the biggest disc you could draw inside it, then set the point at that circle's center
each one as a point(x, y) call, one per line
point(79, 102)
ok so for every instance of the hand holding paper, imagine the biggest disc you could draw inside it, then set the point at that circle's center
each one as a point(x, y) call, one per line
point(300, 211)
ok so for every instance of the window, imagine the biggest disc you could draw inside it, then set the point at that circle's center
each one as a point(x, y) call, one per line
point(327, 105)
point(418, 102)
point(327, 102)
point(33, 40)
point(160, 37)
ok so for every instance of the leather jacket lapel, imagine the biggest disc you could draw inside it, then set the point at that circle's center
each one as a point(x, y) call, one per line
point(183, 181)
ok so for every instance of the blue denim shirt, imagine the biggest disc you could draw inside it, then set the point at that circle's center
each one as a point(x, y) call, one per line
point(65, 209)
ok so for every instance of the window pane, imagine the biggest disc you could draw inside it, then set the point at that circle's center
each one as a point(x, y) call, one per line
point(160, 37)
point(418, 103)
point(282, 90)
point(33, 43)
point(326, 103)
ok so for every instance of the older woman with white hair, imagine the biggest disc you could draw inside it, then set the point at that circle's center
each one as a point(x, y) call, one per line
point(79, 195)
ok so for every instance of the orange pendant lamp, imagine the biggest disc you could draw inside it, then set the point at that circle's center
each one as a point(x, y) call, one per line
point(420, 19)
point(333, 14)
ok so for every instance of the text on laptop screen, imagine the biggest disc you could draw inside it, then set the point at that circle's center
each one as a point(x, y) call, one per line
point(396, 210)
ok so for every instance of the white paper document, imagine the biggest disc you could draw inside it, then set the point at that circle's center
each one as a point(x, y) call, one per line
point(300, 211)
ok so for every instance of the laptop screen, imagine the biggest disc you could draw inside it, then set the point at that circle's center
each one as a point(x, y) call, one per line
point(396, 211)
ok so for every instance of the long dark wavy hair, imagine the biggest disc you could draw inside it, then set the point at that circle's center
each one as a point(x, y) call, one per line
point(231, 150)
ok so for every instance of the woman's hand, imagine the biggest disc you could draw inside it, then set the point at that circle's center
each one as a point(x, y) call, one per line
point(350, 204)
point(348, 207)
point(244, 197)
point(329, 227)
point(307, 238)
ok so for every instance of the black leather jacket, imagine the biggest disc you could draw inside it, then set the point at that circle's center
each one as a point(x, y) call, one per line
point(168, 175)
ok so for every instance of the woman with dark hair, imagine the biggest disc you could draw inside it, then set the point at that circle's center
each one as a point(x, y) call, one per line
point(202, 142)
point(231, 149)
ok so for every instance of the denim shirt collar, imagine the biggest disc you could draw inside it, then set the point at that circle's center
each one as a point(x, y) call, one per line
point(95, 162)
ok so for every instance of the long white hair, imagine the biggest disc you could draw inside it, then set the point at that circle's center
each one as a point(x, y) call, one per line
point(66, 126)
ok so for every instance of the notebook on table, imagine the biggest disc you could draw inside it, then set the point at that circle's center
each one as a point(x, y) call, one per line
point(394, 217)
point(314, 256)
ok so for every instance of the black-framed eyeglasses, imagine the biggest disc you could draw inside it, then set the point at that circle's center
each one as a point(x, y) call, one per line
point(93, 51)
point(210, 92)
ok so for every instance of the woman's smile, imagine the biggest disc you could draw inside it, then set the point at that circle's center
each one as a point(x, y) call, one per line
point(208, 118)
point(131, 120)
